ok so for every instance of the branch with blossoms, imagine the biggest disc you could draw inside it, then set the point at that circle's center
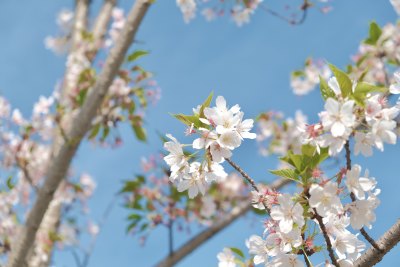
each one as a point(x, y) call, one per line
point(242, 11)
point(319, 205)
point(152, 202)
point(219, 225)
point(25, 152)
point(89, 98)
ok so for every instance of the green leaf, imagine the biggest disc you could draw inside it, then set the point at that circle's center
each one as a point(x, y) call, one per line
point(140, 132)
point(362, 89)
point(131, 226)
point(131, 107)
point(132, 185)
point(326, 91)
point(95, 131)
point(140, 178)
point(374, 33)
point(365, 88)
point(88, 36)
point(258, 211)
point(188, 119)
point(237, 251)
point(136, 55)
point(134, 216)
point(106, 132)
point(317, 159)
point(80, 98)
point(344, 81)
point(143, 227)
point(140, 93)
point(286, 173)
point(10, 184)
point(205, 104)
point(297, 73)
point(297, 160)
point(308, 150)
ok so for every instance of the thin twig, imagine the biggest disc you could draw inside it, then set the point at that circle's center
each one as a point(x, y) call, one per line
point(102, 222)
point(353, 198)
point(171, 224)
point(248, 178)
point(76, 257)
point(348, 155)
point(243, 173)
point(304, 9)
point(327, 239)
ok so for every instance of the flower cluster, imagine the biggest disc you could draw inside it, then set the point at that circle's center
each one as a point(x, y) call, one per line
point(318, 207)
point(221, 130)
point(363, 113)
point(153, 202)
point(61, 43)
point(305, 80)
point(129, 94)
point(25, 149)
point(277, 135)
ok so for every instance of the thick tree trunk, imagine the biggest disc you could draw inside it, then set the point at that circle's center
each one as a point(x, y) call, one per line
point(387, 241)
point(80, 125)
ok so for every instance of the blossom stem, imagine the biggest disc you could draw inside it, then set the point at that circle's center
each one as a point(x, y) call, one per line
point(171, 224)
point(247, 177)
point(243, 173)
point(353, 198)
point(305, 254)
point(306, 259)
point(327, 239)
point(348, 155)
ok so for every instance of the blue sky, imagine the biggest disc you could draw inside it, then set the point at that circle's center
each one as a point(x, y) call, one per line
point(249, 66)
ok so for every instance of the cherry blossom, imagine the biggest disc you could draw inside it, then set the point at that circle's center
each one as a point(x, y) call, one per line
point(287, 213)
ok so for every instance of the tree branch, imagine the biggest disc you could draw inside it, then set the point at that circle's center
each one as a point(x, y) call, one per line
point(99, 30)
point(80, 125)
point(102, 20)
point(207, 234)
point(387, 241)
point(80, 22)
point(50, 224)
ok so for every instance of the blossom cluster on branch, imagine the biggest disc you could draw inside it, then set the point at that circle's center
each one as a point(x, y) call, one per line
point(334, 208)
point(27, 143)
point(153, 202)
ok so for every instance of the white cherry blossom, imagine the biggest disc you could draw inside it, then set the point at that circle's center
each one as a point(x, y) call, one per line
point(325, 200)
point(338, 118)
point(226, 258)
point(287, 213)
